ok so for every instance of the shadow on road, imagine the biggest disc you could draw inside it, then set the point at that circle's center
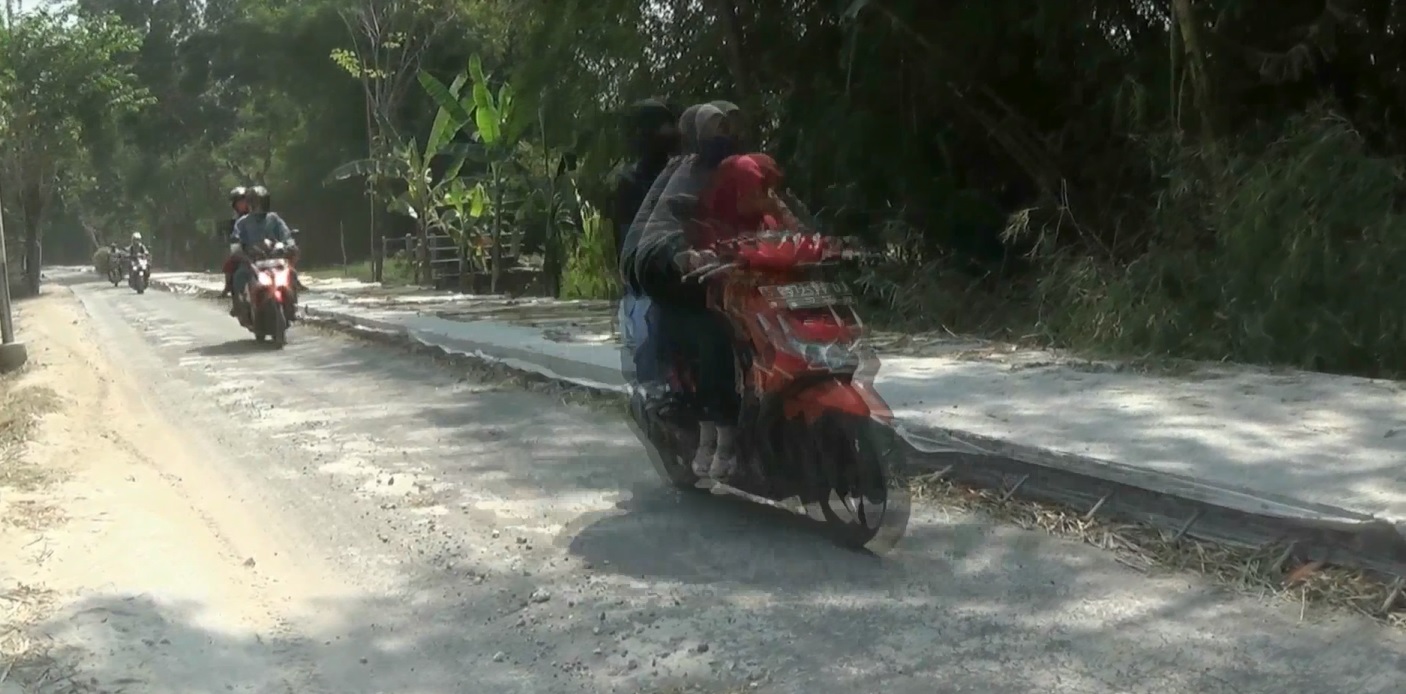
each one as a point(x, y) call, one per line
point(229, 348)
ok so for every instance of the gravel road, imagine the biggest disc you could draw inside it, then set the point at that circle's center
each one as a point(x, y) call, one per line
point(388, 527)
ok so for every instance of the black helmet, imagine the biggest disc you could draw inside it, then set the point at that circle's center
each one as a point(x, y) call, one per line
point(237, 193)
point(260, 198)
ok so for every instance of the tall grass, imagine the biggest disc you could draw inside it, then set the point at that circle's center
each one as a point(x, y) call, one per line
point(1291, 251)
point(590, 264)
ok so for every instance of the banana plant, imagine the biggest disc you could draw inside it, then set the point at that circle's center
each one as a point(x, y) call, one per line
point(497, 130)
point(411, 165)
point(554, 201)
point(465, 205)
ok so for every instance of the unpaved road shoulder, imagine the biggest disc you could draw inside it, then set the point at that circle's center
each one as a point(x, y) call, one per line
point(116, 536)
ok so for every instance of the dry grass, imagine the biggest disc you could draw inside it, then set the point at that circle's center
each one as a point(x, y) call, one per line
point(24, 653)
point(1265, 573)
point(20, 409)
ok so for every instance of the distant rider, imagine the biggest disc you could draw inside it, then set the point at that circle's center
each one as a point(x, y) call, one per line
point(115, 254)
point(137, 249)
point(240, 206)
point(251, 231)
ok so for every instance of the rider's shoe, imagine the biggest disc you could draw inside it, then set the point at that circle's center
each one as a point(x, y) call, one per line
point(707, 449)
point(725, 457)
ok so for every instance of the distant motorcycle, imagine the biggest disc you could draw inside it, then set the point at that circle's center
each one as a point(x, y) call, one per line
point(269, 305)
point(116, 267)
point(139, 273)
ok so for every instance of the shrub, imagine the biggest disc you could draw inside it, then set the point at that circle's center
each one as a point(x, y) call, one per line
point(590, 266)
point(100, 261)
point(1288, 251)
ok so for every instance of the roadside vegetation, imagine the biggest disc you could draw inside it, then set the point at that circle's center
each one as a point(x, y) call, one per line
point(1214, 180)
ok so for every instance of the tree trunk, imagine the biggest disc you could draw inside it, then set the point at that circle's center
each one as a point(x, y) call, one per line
point(552, 257)
point(422, 254)
point(1196, 69)
point(735, 56)
point(496, 271)
point(33, 256)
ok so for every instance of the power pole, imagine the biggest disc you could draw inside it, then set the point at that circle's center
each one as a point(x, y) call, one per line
point(13, 354)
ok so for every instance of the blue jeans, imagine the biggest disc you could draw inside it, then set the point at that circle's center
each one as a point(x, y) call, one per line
point(637, 325)
point(243, 275)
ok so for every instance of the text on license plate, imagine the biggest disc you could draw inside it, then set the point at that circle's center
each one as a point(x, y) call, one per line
point(807, 294)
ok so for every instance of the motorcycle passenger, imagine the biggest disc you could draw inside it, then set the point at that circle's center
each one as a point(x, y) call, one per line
point(741, 199)
point(239, 204)
point(654, 136)
point(251, 231)
point(688, 330)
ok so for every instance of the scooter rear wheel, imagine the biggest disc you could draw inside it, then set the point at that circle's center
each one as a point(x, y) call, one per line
point(669, 449)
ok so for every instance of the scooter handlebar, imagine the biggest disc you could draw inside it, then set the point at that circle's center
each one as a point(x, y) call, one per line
point(780, 251)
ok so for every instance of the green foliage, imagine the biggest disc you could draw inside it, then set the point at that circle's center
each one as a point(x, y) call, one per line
point(590, 267)
point(1283, 252)
point(1159, 197)
point(63, 83)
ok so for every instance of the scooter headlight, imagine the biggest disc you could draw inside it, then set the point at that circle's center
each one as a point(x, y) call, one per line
point(831, 356)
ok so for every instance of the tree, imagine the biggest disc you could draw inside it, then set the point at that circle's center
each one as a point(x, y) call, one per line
point(389, 40)
point(412, 167)
point(63, 83)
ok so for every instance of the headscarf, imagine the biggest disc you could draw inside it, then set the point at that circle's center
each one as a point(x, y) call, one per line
point(714, 145)
point(643, 124)
point(652, 150)
point(689, 136)
point(661, 225)
point(737, 178)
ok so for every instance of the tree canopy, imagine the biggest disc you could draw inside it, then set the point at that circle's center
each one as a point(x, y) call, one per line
point(1214, 179)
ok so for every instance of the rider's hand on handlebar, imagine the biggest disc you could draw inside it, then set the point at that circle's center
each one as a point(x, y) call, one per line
point(704, 274)
point(691, 260)
point(701, 265)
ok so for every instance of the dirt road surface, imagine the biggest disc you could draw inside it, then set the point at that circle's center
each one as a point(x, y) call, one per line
point(208, 516)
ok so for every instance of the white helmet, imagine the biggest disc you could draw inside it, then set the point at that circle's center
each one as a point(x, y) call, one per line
point(136, 236)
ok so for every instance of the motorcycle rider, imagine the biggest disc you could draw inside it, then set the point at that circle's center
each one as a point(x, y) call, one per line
point(251, 231)
point(687, 328)
point(654, 135)
point(115, 259)
point(137, 249)
point(239, 204)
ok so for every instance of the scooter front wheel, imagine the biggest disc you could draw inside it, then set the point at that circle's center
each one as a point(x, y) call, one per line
point(862, 501)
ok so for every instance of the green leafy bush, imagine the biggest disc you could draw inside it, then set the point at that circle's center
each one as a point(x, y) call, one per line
point(590, 268)
point(1288, 251)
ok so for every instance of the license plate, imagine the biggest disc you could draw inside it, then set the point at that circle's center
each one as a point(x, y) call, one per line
point(807, 295)
point(269, 264)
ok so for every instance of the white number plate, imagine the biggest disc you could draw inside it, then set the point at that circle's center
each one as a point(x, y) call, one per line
point(808, 295)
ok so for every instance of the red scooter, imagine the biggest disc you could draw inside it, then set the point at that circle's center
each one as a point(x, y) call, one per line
point(814, 437)
point(270, 302)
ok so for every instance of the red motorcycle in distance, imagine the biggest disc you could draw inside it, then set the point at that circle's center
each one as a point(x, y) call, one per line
point(269, 302)
point(814, 437)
